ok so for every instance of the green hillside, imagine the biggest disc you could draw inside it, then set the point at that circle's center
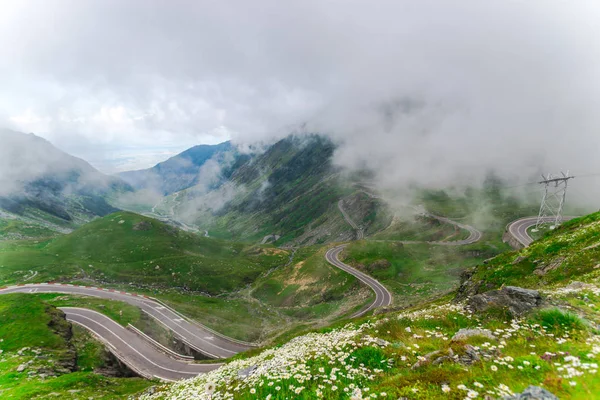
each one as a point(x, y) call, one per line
point(570, 251)
point(290, 190)
point(447, 349)
point(131, 249)
point(42, 356)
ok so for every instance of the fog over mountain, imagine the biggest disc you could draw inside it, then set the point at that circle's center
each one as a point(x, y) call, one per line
point(433, 92)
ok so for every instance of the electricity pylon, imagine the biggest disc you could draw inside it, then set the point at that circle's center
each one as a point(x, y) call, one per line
point(555, 191)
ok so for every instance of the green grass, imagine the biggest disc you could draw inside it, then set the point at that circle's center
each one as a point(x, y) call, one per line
point(535, 350)
point(421, 229)
point(34, 332)
point(414, 272)
point(570, 251)
point(114, 249)
point(121, 312)
point(14, 229)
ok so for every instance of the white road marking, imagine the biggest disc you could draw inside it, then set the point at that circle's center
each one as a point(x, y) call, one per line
point(131, 347)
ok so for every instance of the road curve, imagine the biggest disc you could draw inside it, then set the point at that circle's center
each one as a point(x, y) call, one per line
point(518, 229)
point(383, 298)
point(132, 350)
point(201, 338)
point(474, 234)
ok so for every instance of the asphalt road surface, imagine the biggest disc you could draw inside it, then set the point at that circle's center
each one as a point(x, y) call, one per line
point(383, 298)
point(518, 229)
point(474, 234)
point(196, 336)
point(133, 350)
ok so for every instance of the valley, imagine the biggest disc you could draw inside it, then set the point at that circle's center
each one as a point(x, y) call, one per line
point(275, 246)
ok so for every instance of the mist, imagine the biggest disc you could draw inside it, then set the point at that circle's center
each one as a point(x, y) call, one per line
point(430, 92)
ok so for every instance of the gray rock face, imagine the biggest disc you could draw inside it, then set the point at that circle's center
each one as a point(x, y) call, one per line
point(464, 334)
point(516, 299)
point(532, 393)
point(246, 372)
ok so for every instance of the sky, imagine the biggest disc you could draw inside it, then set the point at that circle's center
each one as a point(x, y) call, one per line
point(432, 91)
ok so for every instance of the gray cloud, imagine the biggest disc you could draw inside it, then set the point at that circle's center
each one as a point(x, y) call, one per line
point(429, 91)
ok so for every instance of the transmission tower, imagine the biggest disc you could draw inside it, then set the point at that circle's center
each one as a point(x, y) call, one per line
point(555, 191)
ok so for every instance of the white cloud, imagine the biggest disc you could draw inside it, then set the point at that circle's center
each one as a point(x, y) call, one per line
point(428, 90)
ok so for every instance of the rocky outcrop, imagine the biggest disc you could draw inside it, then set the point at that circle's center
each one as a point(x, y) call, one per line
point(469, 287)
point(543, 269)
point(465, 334)
point(61, 327)
point(515, 299)
point(532, 393)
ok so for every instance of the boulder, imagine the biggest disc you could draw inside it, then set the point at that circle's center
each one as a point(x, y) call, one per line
point(465, 333)
point(532, 393)
point(517, 300)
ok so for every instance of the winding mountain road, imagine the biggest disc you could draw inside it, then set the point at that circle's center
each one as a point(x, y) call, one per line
point(200, 338)
point(383, 297)
point(145, 357)
point(518, 229)
point(132, 350)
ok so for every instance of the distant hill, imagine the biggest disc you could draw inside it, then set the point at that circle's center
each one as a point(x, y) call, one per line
point(288, 193)
point(37, 179)
point(179, 172)
point(132, 249)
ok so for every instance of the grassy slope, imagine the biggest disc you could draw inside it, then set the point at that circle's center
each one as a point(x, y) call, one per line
point(111, 249)
point(573, 249)
point(556, 347)
point(414, 272)
point(14, 229)
point(26, 322)
point(310, 288)
point(420, 229)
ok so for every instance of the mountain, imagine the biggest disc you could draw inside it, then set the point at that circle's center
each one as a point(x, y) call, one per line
point(38, 180)
point(287, 193)
point(179, 172)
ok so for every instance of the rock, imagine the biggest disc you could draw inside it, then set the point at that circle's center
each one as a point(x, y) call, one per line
point(21, 367)
point(382, 343)
point(379, 265)
point(246, 372)
point(142, 226)
point(465, 333)
point(518, 260)
point(544, 269)
point(427, 358)
point(470, 356)
point(576, 285)
point(532, 393)
point(517, 300)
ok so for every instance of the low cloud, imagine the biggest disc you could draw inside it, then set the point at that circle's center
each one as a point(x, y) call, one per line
point(427, 92)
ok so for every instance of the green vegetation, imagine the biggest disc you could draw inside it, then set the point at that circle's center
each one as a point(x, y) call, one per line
point(15, 229)
point(492, 205)
point(421, 228)
point(414, 354)
point(132, 249)
point(417, 354)
point(119, 311)
point(36, 338)
point(571, 250)
point(414, 272)
point(310, 288)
